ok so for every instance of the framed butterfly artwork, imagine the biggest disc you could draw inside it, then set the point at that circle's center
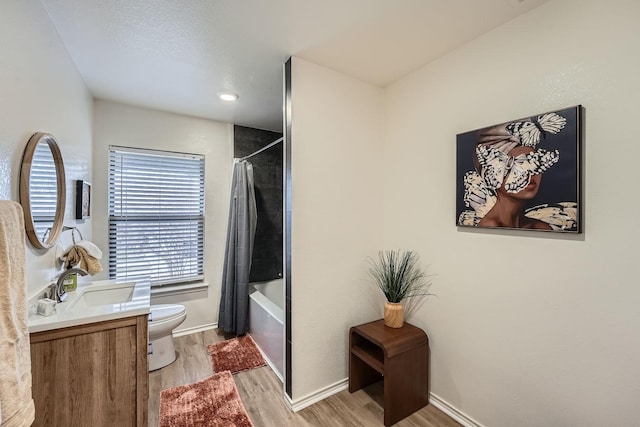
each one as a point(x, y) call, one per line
point(522, 174)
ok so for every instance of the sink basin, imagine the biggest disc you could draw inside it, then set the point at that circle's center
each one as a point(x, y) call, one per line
point(96, 297)
point(92, 302)
point(101, 295)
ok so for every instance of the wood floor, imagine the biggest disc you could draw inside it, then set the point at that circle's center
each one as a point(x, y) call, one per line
point(261, 393)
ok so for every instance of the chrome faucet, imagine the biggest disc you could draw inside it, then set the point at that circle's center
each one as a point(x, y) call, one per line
point(56, 290)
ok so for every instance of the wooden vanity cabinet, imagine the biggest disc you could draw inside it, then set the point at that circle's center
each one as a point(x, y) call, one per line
point(91, 375)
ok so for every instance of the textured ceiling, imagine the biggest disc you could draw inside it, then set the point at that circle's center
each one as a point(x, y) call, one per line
point(176, 55)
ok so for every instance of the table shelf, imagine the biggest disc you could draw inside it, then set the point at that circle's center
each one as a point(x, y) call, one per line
point(370, 359)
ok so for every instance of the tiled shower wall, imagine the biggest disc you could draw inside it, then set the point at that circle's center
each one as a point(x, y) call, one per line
point(267, 262)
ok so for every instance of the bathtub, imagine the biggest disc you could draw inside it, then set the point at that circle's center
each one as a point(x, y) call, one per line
point(266, 321)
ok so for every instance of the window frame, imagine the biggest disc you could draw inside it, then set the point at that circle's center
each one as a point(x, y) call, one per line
point(186, 229)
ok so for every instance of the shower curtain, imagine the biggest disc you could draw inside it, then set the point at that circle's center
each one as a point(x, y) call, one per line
point(234, 300)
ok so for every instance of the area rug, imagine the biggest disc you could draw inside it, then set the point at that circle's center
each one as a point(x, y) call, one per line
point(213, 402)
point(235, 355)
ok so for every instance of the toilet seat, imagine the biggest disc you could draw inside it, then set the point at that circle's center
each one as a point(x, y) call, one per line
point(161, 313)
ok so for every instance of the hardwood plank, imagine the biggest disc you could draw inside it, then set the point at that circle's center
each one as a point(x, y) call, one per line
point(262, 394)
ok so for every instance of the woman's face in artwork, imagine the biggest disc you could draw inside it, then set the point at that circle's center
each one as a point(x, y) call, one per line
point(531, 190)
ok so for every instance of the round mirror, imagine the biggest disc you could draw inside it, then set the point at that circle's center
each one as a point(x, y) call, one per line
point(42, 190)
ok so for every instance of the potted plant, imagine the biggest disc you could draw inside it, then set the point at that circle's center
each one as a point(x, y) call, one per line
point(399, 277)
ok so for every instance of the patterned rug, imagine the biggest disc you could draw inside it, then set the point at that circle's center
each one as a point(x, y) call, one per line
point(235, 355)
point(213, 402)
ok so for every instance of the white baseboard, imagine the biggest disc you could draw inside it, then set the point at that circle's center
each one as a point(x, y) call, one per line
point(195, 329)
point(317, 396)
point(337, 387)
point(453, 412)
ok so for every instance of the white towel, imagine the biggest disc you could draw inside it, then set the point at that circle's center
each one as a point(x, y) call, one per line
point(78, 257)
point(92, 249)
point(85, 255)
point(15, 357)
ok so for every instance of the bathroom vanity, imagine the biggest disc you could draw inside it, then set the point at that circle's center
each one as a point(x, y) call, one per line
point(89, 360)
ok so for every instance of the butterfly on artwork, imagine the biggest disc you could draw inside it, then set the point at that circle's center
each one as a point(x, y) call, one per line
point(530, 131)
point(515, 171)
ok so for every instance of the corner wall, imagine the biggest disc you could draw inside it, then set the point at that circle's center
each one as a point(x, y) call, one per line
point(528, 328)
point(120, 124)
point(336, 218)
point(41, 91)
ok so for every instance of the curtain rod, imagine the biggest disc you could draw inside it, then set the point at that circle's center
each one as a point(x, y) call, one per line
point(266, 147)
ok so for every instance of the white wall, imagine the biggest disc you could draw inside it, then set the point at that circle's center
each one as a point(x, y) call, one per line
point(119, 124)
point(40, 91)
point(528, 329)
point(336, 217)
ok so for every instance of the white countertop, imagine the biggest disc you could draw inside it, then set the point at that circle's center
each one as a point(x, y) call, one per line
point(70, 314)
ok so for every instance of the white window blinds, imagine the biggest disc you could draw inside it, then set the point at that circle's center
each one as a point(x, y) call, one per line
point(43, 190)
point(156, 215)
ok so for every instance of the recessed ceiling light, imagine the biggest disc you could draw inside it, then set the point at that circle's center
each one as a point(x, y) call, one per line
point(228, 96)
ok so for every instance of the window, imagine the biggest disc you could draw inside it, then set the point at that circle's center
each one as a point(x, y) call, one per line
point(156, 215)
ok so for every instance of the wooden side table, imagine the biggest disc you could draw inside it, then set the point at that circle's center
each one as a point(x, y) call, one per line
point(398, 356)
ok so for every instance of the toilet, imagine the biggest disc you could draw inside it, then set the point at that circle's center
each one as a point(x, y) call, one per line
point(163, 319)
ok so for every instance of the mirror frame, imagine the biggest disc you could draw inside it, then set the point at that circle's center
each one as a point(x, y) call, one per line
point(25, 199)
